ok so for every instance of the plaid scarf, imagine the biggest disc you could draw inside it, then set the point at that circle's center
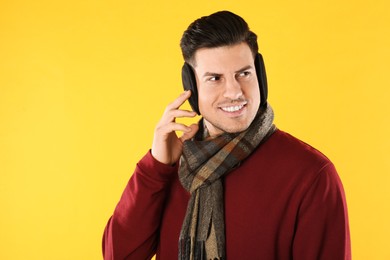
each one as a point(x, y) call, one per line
point(202, 165)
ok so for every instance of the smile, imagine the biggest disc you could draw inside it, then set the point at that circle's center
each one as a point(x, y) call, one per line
point(232, 108)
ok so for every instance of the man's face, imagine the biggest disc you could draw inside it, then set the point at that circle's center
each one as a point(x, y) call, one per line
point(228, 90)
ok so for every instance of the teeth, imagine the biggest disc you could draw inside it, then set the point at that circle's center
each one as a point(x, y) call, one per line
point(232, 109)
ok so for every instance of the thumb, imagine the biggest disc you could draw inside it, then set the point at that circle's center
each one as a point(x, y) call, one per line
point(188, 135)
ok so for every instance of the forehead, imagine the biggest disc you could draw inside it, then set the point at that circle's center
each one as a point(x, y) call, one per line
point(225, 57)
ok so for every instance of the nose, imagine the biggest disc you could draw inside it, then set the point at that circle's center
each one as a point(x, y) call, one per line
point(233, 89)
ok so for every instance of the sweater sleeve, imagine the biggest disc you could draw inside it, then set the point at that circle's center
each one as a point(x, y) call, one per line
point(132, 230)
point(322, 230)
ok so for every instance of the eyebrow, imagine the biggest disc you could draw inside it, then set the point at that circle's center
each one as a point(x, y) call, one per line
point(244, 68)
point(213, 74)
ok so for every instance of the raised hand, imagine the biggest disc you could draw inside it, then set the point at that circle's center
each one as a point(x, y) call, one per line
point(167, 146)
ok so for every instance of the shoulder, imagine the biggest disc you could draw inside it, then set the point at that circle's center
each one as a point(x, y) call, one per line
point(284, 157)
point(291, 165)
point(283, 146)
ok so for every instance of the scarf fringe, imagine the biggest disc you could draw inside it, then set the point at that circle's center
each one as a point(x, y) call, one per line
point(185, 249)
point(199, 250)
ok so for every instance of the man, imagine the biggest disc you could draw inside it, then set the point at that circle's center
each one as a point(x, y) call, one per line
point(232, 186)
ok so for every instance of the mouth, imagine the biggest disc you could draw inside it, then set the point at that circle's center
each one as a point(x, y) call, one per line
point(233, 108)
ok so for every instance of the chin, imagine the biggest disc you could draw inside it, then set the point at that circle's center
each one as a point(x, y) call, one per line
point(217, 126)
point(220, 128)
point(237, 129)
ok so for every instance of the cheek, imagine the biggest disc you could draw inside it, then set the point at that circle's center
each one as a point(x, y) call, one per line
point(256, 96)
point(203, 104)
point(206, 98)
point(253, 92)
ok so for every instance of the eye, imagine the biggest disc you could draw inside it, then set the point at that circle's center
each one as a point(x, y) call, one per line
point(214, 78)
point(244, 74)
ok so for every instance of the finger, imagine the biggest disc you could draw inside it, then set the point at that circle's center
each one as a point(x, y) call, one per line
point(178, 113)
point(173, 127)
point(180, 100)
point(189, 134)
point(170, 116)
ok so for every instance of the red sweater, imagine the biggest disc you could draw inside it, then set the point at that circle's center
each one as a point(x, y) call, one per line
point(285, 201)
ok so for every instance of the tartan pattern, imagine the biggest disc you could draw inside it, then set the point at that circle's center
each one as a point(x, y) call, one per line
point(202, 164)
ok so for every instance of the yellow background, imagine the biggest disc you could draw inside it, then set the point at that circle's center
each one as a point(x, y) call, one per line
point(82, 84)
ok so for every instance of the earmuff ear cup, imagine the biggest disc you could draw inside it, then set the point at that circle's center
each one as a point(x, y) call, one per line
point(262, 79)
point(189, 83)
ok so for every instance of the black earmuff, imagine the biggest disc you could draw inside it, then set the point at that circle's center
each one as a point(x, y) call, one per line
point(189, 82)
point(262, 79)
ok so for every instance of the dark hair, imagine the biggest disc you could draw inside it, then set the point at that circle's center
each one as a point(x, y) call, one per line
point(216, 30)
